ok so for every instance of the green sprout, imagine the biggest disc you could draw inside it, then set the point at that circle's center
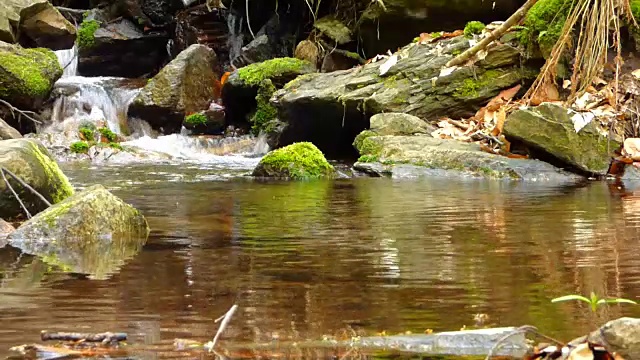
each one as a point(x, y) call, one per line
point(593, 300)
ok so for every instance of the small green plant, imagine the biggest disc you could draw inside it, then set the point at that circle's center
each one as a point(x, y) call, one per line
point(196, 119)
point(108, 134)
point(116, 146)
point(87, 134)
point(473, 28)
point(86, 33)
point(79, 147)
point(593, 300)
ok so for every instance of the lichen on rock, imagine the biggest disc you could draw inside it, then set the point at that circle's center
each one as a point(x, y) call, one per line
point(296, 161)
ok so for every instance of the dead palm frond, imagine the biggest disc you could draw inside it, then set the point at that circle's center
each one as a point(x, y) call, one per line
point(596, 24)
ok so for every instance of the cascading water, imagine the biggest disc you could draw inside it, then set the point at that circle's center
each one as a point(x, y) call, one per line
point(104, 102)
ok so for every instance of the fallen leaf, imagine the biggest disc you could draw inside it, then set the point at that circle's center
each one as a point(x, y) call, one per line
point(581, 352)
point(447, 71)
point(500, 116)
point(636, 73)
point(580, 120)
point(425, 38)
point(392, 60)
point(631, 148)
point(566, 84)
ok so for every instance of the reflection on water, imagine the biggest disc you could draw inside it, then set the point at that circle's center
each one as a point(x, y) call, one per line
point(308, 259)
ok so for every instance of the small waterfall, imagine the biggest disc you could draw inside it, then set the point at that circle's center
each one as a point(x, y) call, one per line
point(68, 60)
point(102, 101)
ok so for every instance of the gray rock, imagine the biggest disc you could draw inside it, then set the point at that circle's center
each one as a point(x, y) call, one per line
point(8, 132)
point(399, 124)
point(548, 127)
point(91, 232)
point(185, 86)
point(5, 230)
point(32, 163)
point(621, 336)
point(417, 156)
point(36, 23)
point(323, 107)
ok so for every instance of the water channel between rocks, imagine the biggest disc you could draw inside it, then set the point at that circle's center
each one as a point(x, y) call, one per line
point(358, 256)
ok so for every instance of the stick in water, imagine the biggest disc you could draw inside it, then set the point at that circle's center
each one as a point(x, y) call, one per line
point(27, 186)
point(2, 170)
point(225, 321)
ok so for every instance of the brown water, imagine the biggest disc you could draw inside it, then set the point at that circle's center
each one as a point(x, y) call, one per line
point(308, 259)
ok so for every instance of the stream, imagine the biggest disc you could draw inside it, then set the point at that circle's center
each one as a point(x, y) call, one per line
point(360, 256)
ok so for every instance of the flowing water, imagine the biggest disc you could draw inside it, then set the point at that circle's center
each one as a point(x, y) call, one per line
point(308, 259)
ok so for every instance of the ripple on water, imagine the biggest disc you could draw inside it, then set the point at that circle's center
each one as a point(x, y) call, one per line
point(305, 259)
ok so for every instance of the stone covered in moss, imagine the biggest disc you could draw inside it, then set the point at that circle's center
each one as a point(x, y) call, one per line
point(27, 75)
point(279, 71)
point(543, 24)
point(32, 163)
point(296, 161)
point(184, 86)
point(549, 128)
point(90, 232)
point(399, 124)
point(334, 29)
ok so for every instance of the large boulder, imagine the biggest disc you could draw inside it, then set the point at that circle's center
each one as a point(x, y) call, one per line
point(183, 87)
point(410, 156)
point(118, 48)
point(247, 91)
point(296, 161)
point(35, 23)
point(27, 75)
point(32, 163)
point(549, 128)
point(330, 109)
point(8, 132)
point(91, 232)
point(399, 124)
point(620, 336)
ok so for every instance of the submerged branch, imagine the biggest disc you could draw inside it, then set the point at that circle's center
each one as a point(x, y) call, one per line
point(107, 337)
point(26, 113)
point(226, 318)
point(15, 194)
point(27, 186)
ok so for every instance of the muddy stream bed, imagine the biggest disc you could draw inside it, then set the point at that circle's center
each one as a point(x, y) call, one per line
point(306, 260)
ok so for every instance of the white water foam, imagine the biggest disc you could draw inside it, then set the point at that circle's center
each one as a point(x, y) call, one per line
point(68, 60)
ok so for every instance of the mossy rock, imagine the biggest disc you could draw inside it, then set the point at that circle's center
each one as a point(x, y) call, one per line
point(543, 24)
point(296, 161)
point(334, 29)
point(30, 161)
point(279, 71)
point(549, 128)
point(91, 232)
point(27, 75)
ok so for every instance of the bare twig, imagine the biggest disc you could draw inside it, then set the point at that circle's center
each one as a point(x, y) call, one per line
point(15, 194)
point(226, 318)
point(27, 186)
point(108, 337)
point(495, 34)
point(25, 113)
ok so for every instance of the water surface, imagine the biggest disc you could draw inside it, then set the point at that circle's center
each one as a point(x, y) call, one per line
point(308, 259)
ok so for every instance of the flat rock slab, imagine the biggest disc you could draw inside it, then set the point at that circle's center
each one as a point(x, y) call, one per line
point(419, 156)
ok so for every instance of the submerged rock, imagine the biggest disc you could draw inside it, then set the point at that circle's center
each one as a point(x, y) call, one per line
point(90, 232)
point(330, 109)
point(549, 128)
point(118, 48)
point(35, 23)
point(416, 156)
point(8, 132)
point(296, 161)
point(27, 76)
point(32, 163)
point(247, 91)
point(185, 86)
point(620, 336)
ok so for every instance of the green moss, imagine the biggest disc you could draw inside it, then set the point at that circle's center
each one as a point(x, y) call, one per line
point(87, 134)
point(359, 141)
point(108, 134)
point(196, 119)
point(116, 146)
point(27, 72)
point(86, 33)
point(635, 9)
point(543, 23)
point(298, 161)
point(368, 158)
point(471, 86)
point(79, 147)
point(473, 28)
point(254, 74)
point(265, 112)
point(56, 178)
point(437, 34)
point(456, 52)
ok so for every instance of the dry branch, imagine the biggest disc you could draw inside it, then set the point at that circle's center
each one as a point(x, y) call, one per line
point(101, 337)
point(25, 113)
point(27, 186)
point(495, 34)
point(15, 194)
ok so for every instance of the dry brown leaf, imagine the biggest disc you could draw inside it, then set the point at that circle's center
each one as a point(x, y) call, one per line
point(566, 84)
point(500, 117)
point(599, 81)
point(545, 93)
point(636, 73)
point(631, 148)
point(581, 352)
point(452, 34)
point(591, 90)
point(425, 38)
